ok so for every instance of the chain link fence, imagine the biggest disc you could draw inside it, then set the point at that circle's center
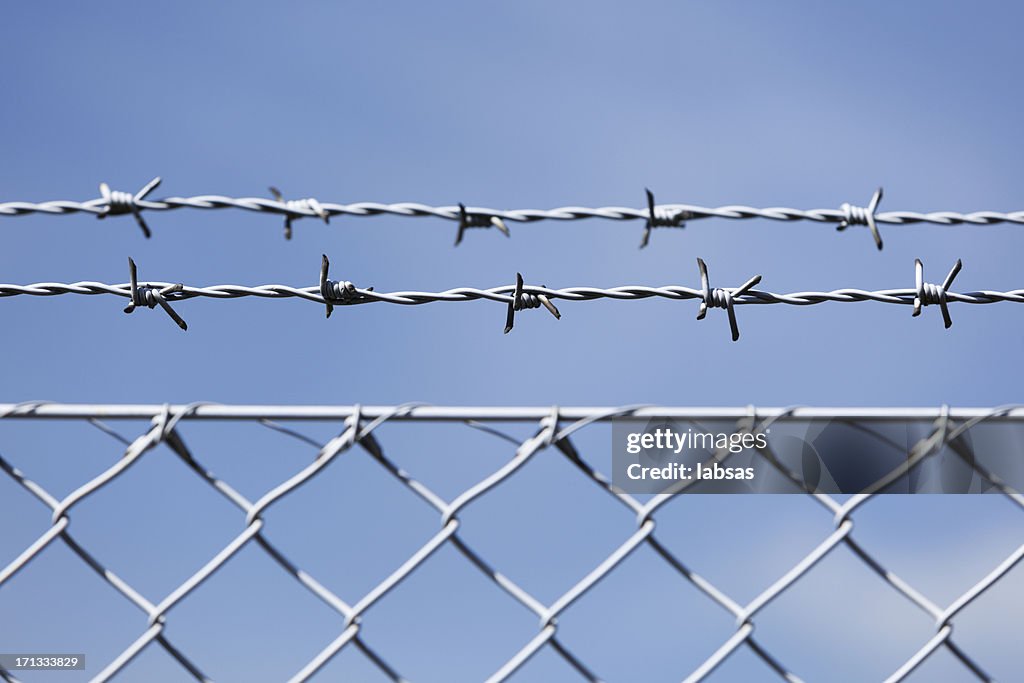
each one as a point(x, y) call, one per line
point(372, 436)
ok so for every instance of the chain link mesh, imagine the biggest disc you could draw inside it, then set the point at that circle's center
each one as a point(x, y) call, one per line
point(555, 430)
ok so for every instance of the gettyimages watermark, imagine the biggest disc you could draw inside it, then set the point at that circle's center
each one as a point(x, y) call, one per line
point(833, 456)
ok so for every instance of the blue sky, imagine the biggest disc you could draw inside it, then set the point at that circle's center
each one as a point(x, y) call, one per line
point(509, 105)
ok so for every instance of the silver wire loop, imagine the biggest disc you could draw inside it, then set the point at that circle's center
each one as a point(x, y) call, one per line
point(660, 217)
point(117, 203)
point(150, 297)
point(298, 208)
point(721, 298)
point(526, 300)
point(929, 294)
point(858, 215)
point(478, 220)
point(339, 293)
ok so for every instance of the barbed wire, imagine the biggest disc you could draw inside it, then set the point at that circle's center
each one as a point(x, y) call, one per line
point(112, 203)
point(517, 297)
point(361, 428)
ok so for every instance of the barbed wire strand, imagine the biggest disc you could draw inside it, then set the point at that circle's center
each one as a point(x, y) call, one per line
point(519, 296)
point(165, 428)
point(111, 203)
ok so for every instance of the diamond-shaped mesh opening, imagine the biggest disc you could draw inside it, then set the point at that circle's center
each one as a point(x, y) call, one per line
point(57, 603)
point(22, 517)
point(449, 458)
point(152, 664)
point(352, 665)
point(547, 665)
point(60, 455)
point(430, 632)
point(142, 523)
point(987, 628)
point(835, 613)
point(943, 666)
point(763, 546)
point(251, 457)
point(230, 623)
point(525, 527)
point(648, 618)
point(893, 530)
point(352, 524)
point(744, 665)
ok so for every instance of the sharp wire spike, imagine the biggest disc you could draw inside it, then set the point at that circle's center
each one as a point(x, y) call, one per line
point(499, 223)
point(510, 314)
point(167, 307)
point(650, 220)
point(287, 219)
point(298, 205)
point(521, 299)
point(478, 220)
point(721, 298)
point(927, 293)
point(118, 203)
point(855, 215)
point(133, 275)
point(336, 293)
point(325, 265)
point(705, 289)
point(462, 224)
point(549, 305)
point(654, 220)
point(149, 296)
point(953, 272)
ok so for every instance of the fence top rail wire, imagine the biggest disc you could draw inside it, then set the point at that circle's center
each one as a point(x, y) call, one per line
point(48, 410)
point(520, 296)
point(113, 203)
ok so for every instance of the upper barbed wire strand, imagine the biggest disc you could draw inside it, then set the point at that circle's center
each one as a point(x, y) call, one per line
point(565, 213)
point(654, 215)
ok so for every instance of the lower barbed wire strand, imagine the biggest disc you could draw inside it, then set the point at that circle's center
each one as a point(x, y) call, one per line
point(504, 293)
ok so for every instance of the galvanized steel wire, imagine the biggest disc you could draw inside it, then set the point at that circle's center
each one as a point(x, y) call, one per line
point(673, 215)
point(554, 428)
point(521, 296)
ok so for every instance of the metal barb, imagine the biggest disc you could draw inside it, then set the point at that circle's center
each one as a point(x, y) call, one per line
point(325, 284)
point(927, 293)
point(300, 206)
point(150, 297)
point(721, 298)
point(522, 299)
point(118, 203)
point(478, 220)
point(857, 215)
point(662, 220)
point(334, 293)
